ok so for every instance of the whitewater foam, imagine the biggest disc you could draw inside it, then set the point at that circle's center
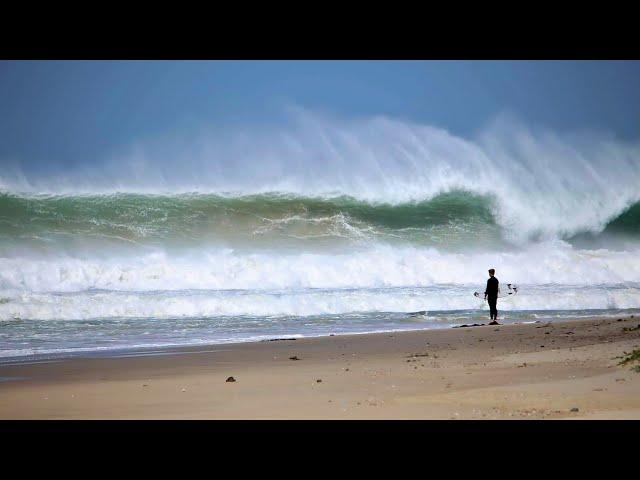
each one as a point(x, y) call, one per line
point(263, 306)
point(380, 266)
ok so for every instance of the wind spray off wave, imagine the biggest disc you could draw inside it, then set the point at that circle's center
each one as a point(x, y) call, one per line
point(544, 184)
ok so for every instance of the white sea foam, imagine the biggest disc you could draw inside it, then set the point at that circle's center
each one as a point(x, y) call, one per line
point(301, 303)
point(551, 262)
point(310, 284)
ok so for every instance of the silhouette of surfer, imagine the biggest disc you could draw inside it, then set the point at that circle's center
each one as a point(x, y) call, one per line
point(491, 296)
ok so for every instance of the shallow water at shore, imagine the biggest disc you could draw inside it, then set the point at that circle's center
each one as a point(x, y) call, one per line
point(40, 339)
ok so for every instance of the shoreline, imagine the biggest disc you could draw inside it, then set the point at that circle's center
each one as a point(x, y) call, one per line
point(525, 370)
point(107, 352)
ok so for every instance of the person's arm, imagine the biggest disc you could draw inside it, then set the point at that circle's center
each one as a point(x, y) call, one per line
point(486, 289)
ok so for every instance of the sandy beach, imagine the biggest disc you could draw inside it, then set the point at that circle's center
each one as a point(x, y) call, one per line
point(525, 371)
point(304, 239)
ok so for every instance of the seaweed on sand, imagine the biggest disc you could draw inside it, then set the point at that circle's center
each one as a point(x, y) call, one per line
point(634, 356)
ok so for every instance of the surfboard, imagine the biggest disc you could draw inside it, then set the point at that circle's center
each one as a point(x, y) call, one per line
point(510, 291)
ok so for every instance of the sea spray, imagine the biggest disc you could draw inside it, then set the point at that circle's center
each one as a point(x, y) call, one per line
point(546, 184)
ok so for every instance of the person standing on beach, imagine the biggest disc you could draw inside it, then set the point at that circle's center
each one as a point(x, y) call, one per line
point(491, 295)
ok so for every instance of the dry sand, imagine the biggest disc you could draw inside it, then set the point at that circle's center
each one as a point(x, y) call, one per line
point(531, 371)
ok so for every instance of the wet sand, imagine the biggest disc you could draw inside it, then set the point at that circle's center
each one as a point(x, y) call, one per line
point(526, 371)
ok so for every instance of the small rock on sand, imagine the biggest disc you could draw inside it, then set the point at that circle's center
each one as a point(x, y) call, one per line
point(294, 358)
point(318, 381)
point(230, 379)
point(575, 409)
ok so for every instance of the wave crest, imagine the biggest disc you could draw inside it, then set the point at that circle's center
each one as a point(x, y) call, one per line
point(545, 184)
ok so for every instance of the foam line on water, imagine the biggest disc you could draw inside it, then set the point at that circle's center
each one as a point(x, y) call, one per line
point(263, 308)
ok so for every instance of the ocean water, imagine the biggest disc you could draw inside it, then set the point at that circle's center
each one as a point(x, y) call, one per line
point(326, 227)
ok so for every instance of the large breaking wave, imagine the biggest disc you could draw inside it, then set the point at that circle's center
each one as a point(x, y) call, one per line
point(544, 184)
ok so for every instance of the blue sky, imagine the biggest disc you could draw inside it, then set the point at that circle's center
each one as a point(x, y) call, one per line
point(79, 112)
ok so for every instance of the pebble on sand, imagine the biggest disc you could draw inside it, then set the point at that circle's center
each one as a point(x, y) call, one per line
point(575, 409)
point(230, 379)
point(294, 358)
